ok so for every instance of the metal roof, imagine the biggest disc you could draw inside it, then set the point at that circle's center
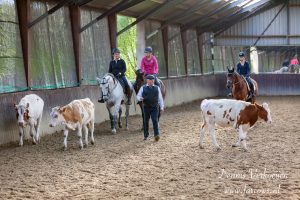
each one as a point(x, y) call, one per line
point(204, 15)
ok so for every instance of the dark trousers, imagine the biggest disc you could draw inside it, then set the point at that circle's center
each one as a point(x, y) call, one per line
point(248, 79)
point(124, 80)
point(153, 113)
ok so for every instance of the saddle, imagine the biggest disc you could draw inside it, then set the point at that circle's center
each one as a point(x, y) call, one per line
point(248, 87)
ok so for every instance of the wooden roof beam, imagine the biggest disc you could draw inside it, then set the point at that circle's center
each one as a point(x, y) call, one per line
point(123, 5)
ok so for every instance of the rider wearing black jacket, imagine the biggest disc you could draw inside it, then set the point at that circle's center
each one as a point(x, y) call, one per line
point(117, 67)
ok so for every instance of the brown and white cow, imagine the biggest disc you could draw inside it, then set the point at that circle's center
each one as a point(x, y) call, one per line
point(227, 112)
point(29, 112)
point(76, 115)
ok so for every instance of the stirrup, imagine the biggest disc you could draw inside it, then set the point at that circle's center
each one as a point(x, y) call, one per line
point(100, 100)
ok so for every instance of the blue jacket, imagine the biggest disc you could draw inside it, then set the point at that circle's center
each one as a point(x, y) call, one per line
point(243, 70)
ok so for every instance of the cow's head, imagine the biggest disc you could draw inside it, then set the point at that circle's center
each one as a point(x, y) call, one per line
point(56, 116)
point(22, 113)
point(264, 112)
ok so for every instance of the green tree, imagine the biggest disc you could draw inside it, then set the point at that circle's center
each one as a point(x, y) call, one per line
point(127, 44)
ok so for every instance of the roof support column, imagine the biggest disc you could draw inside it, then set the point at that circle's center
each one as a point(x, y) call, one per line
point(112, 23)
point(75, 23)
point(184, 47)
point(166, 50)
point(200, 49)
point(23, 9)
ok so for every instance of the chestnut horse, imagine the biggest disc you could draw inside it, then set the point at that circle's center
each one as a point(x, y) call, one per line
point(139, 82)
point(239, 86)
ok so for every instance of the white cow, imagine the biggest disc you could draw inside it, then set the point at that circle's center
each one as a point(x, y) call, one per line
point(30, 112)
point(76, 115)
point(227, 112)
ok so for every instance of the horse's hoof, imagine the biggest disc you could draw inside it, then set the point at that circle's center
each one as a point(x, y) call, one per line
point(235, 145)
point(114, 131)
point(217, 148)
point(92, 142)
point(127, 129)
point(120, 126)
point(34, 142)
point(201, 146)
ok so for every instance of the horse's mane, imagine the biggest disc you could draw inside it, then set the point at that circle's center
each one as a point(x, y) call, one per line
point(111, 75)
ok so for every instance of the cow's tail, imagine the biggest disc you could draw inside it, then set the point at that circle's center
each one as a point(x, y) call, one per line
point(203, 107)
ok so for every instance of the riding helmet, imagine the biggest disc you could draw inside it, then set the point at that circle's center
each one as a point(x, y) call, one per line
point(115, 50)
point(241, 54)
point(150, 77)
point(148, 50)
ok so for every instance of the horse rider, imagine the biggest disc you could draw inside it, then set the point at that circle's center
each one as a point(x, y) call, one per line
point(294, 60)
point(151, 96)
point(117, 67)
point(243, 68)
point(149, 65)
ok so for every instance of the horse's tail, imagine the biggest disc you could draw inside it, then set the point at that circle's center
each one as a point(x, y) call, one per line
point(162, 89)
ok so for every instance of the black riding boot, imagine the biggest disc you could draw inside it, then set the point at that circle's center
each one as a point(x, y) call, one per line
point(129, 94)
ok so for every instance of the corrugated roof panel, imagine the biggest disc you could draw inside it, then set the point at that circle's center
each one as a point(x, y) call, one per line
point(255, 26)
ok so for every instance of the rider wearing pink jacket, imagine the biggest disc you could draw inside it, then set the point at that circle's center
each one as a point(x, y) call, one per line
point(149, 65)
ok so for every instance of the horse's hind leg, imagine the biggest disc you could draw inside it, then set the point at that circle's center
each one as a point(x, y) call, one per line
point(127, 115)
point(120, 115)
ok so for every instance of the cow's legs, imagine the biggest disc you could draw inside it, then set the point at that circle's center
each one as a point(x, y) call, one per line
point(202, 132)
point(38, 122)
point(32, 134)
point(92, 132)
point(211, 129)
point(21, 132)
point(86, 135)
point(79, 134)
point(127, 115)
point(66, 132)
point(120, 115)
point(241, 139)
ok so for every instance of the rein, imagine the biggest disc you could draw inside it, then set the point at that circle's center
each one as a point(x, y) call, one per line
point(234, 83)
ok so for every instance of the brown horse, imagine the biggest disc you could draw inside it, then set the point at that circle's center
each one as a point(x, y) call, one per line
point(139, 82)
point(239, 86)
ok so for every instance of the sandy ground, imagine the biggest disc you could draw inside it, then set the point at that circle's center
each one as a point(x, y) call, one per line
point(123, 166)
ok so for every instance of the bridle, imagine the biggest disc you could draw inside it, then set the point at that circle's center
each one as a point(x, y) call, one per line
point(233, 74)
point(104, 81)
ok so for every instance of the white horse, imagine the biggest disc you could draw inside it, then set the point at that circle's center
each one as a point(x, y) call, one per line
point(113, 95)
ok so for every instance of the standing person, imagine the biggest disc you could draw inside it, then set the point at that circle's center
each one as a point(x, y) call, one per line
point(294, 60)
point(294, 65)
point(117, 67)
point(152, 99)
point(149, 65)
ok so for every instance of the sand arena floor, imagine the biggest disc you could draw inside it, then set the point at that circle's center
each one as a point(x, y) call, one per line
point(123, 166)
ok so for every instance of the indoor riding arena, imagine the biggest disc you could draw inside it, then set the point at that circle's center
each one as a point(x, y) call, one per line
point(57, 50)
